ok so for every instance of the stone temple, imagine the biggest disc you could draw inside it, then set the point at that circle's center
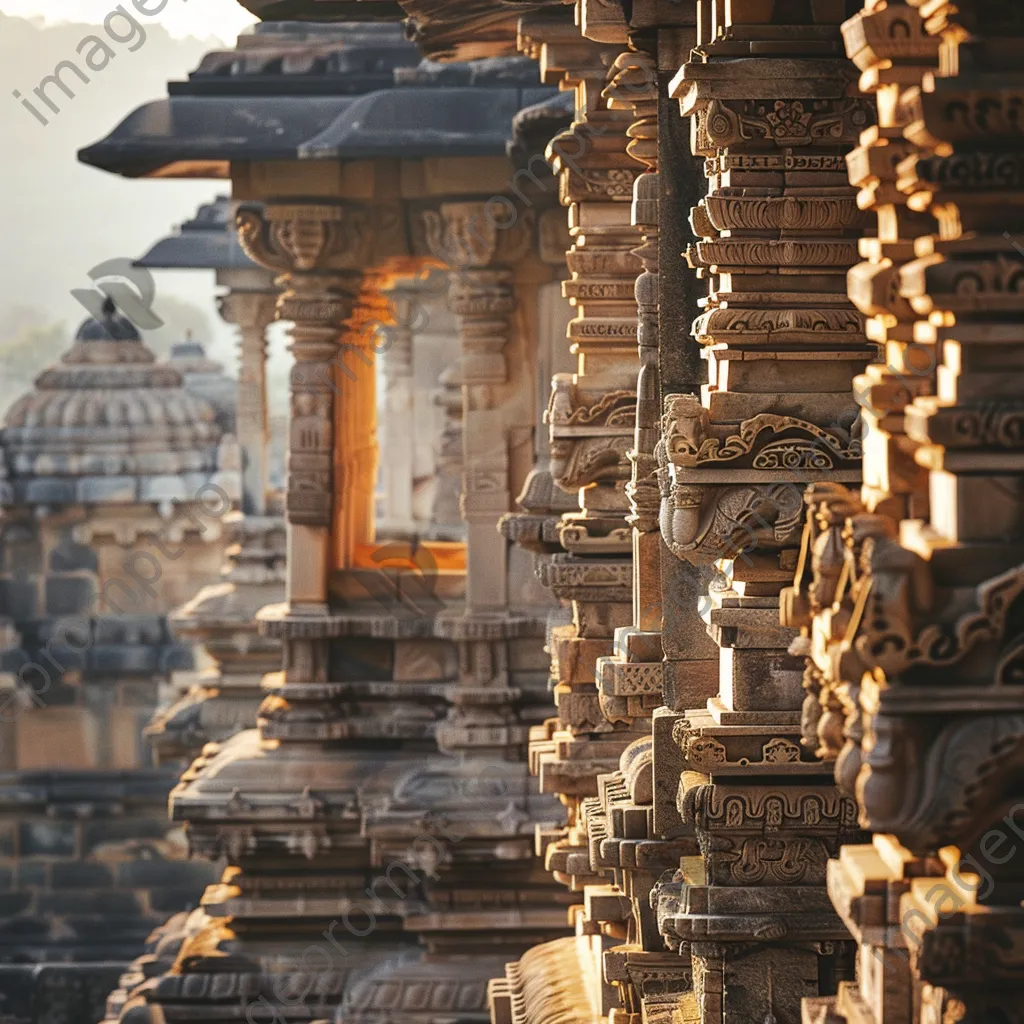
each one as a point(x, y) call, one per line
point(118, 479)
point(637, 636)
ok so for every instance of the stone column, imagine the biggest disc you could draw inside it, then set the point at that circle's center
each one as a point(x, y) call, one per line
point(480, 254)
point(912, 621)
point(318, 250)
point(482, 243)
point(591, 418)
point(768, 89)
point(483, 299)
point(252, 312)
point(399, 425)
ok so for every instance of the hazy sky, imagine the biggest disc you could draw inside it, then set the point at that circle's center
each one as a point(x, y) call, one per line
point(59, 218)
point(202, 18)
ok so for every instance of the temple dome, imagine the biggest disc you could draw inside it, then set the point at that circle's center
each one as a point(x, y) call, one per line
point(108, 411)
point(111, 325)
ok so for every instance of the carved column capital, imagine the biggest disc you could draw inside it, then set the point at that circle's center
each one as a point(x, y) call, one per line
point(308, 237)
point(320, 249)
point(477, 234)
point(246, 309)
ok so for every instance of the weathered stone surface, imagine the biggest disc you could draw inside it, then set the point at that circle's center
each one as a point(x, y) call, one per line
point(912, 718)
point(392, 647)
point(706, 860)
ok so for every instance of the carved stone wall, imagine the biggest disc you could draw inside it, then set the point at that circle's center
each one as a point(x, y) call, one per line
point(590, 417)
point(767, 94)
point(908, 594)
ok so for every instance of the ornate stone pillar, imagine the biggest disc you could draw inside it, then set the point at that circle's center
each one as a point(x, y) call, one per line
point(591, 417)
point(252, 312)
point(399, 425)
point(320, 250)
point(768, 89)
point(480, 293)
point(480, 253)
point(917, 646)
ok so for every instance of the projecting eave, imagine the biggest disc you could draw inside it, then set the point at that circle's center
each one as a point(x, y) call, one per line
point(417, 123)
point(182, 252)
point(324, 10)
point(199, 136)
point(443, 29)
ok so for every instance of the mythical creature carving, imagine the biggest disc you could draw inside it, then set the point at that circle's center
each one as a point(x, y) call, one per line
point(765, 441)
point(941, 790)
point(589, 442)
point(705, 523)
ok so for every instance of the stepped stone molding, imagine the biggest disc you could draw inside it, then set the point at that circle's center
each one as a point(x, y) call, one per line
point(767, 91)
point(906, 593)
